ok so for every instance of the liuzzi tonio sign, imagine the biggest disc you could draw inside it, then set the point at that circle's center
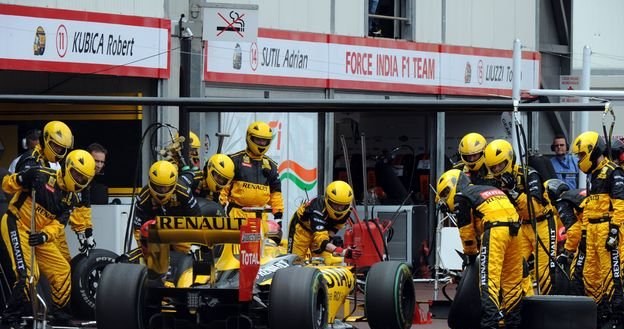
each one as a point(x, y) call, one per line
point(58, 40)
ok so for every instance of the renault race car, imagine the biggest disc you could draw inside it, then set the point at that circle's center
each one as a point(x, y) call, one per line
point(251, 285)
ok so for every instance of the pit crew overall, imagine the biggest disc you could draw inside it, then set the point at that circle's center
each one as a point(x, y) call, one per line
point(603, 210)
point(311, 229)
point(255, 184)
point(52, 205)
point(488, 224)
point(545, 225)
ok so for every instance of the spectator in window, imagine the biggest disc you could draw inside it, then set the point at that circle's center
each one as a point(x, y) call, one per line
point(373, 26)
point(565, 164)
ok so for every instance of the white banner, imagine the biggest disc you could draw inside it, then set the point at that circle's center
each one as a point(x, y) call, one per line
point(322, 61)
point(75, 44)
point(293, 148)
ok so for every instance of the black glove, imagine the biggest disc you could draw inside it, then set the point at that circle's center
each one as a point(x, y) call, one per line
point(468, 260)
point(337, 241)
point(565, 259)
point(35, 239)
point(278, 218)
point(28, 177)
point(443, 207)
point(612, 239)
point(86, 240)
point(508, 183)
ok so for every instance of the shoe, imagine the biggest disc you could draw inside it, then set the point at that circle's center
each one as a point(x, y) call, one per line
point(60, 318)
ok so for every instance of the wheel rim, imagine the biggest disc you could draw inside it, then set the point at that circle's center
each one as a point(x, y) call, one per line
point(320, 309)
point(94, 280)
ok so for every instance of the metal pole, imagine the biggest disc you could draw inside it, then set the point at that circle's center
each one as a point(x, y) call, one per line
point(515, 90)
point(185, 87)
point(584, 116)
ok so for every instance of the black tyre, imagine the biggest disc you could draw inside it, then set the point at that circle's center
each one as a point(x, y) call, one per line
point(298, 299)
point(465, 310)
point(390, 297)
point(85, 277)
point(550, 312)
point(121, 297)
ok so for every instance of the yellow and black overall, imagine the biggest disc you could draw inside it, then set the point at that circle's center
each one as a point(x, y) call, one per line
point(488, 224)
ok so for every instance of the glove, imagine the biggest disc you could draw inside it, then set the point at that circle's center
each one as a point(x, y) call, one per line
point(469, 260)
point(443, 207)
point(35, 239)
point(349, 252)
point(337, 241)
point(86, 240)
point(565, 259)
point(508, 183)
point(278, 218)
point(612, 238)
point(28, 177)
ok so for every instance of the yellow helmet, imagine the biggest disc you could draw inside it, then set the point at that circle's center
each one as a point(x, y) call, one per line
point(588, 147)
point(218, 172)
point(259, 136)
point(194, 146)
point(57, 140)
point(78, 171)
point(499, 157)
point(338, 198)
point(471, 149)
point(163, 176)
point(449, 184)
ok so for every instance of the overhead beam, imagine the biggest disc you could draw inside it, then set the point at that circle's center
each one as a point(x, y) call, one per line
point(200, 104)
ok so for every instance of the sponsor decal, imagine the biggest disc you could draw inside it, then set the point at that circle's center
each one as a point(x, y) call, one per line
point(198, 223)
point(340, 277)
point(40, 42)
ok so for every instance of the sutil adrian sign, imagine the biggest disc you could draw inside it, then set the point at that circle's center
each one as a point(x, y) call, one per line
point(332, 61)
point(58, 40)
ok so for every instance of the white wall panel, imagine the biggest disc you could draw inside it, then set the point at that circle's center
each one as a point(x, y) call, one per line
point(350, 15)
point(598, 24)
point(491, 23)
point(147, 8)
point(428, 21)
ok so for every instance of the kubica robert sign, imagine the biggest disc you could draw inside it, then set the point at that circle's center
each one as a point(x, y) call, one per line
point(59, 40)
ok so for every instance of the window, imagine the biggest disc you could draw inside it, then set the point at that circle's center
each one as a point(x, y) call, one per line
point(389, 19)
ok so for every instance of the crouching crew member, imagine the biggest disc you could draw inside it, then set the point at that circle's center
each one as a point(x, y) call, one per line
point(569, 206)
point(488, 223)
point(316, 222)
point(164, 195)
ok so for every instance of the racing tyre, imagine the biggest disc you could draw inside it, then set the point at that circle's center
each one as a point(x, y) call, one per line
point(390, 297)
point(298, 299)
point(121, 297)
point(553, 312)
point(465, 310)
point(85, 277)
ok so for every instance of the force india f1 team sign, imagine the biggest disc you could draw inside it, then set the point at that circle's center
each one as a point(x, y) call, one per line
point(330, 61)
point(57, 40)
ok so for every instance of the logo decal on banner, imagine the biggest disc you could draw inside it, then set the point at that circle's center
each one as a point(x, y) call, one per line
point(62, 40)
point(40, 41)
